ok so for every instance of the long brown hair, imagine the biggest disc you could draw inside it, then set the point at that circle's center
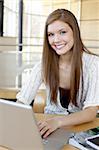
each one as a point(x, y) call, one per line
point(50, 60)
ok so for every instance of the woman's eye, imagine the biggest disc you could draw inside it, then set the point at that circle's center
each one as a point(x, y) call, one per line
point(50, 34)
point(62, 32)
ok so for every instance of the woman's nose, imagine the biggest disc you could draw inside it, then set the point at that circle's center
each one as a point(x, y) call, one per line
point(56, 38)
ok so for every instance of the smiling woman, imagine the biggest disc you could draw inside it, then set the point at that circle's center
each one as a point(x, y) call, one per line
point(60, 37)
point(70, 73)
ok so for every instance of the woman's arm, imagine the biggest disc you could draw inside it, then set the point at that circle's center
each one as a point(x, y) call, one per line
point(83, 116)
point(31, 86)
point(76, 118)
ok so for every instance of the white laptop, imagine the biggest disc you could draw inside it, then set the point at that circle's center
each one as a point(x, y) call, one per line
point(19, 131)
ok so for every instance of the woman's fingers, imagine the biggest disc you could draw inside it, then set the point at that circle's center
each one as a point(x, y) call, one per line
point(48, 126)
point(44, 129)
point(47, 133)
point(41, 125)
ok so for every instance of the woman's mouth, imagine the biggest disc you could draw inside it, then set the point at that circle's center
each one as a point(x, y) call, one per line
point(58, 47)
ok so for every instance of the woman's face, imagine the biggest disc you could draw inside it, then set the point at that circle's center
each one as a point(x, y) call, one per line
point(60, 37)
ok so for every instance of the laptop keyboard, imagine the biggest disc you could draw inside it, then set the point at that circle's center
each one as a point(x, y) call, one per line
point(45, 141)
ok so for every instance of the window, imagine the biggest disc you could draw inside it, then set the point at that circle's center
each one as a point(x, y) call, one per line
point(35, 13)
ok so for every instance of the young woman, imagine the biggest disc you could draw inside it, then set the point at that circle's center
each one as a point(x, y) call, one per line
point(70, 73)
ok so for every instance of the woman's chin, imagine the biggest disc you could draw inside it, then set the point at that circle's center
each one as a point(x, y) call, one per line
point(60, 52)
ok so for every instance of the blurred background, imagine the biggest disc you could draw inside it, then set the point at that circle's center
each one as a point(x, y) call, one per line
point(21, 33)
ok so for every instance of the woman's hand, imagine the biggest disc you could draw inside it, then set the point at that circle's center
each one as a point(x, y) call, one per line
point(48, 126)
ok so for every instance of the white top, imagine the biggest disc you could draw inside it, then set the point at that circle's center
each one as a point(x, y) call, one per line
point(90, 94)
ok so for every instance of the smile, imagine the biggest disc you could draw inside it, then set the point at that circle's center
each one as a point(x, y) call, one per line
point(60, 46)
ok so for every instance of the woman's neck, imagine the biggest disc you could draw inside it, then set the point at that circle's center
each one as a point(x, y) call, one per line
point(65, 59)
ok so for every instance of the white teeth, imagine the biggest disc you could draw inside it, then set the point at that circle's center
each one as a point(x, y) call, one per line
point(59, 46)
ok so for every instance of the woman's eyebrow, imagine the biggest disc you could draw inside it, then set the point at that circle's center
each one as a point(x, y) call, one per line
point(57, 30)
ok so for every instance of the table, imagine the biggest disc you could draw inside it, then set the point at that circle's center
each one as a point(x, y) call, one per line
point(77, 128)
point(9, 93)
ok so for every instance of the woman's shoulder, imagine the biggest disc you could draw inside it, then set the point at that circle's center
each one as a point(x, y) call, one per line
point(90, 59)
point(37, 66)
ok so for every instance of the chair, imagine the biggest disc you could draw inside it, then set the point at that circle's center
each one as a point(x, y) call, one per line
point(40, 101)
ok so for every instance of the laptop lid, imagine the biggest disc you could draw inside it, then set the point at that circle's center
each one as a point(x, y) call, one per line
point(19, 131)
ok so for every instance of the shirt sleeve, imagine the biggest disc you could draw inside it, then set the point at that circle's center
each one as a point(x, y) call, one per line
point(92, 93)
point(29, 90)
